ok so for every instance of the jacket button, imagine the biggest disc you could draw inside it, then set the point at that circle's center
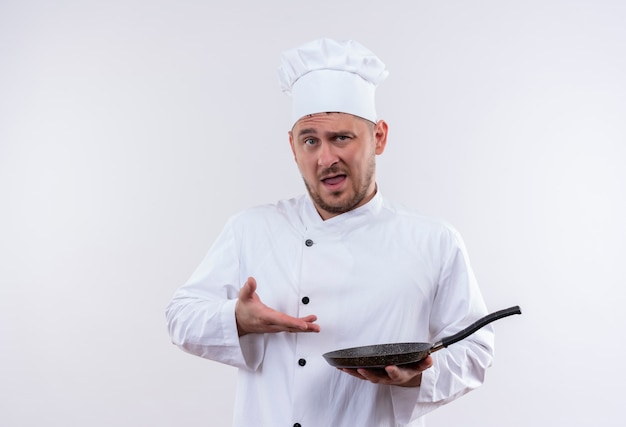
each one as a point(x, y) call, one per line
point(308, 242)
point(301, 362)
point(305, 300)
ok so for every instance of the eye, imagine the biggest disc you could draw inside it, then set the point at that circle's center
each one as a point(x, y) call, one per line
point(310, 142)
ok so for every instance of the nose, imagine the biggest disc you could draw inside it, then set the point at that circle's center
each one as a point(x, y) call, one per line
point(327, 156)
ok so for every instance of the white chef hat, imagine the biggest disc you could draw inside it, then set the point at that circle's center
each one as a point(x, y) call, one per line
point(331, 76)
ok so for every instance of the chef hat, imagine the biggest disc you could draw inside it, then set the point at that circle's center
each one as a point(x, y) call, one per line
point(331, 76)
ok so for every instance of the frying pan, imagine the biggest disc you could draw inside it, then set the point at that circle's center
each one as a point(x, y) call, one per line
point(381, 355)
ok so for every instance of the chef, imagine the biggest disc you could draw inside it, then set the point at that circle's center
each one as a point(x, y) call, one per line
point(340, 266)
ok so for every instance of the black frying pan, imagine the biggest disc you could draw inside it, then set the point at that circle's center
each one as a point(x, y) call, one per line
point(381, 355)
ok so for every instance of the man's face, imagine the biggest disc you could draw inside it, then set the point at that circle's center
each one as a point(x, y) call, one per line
point(335, 153)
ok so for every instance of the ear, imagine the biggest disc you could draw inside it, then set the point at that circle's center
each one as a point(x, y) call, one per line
point(291, 144)
point(380, 134)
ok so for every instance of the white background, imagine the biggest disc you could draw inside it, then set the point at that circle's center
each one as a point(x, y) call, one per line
point(130, 131)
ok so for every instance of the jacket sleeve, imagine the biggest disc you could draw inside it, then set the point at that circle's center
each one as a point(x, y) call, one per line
point(201, 315)
point(460, 367)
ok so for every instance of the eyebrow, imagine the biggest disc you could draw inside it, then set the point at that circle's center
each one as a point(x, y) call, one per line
point(307, 131)
point(333, 135)
point(329, 135)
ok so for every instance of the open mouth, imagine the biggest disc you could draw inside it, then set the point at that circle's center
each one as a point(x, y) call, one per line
point(334, 183)
point(334, 180)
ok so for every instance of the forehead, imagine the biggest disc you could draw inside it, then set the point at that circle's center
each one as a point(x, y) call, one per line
point(329, 122)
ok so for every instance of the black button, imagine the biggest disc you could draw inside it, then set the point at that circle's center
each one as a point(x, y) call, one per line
point(301, 362)
point(305, 300)
point(308, 242)
point(297, 425)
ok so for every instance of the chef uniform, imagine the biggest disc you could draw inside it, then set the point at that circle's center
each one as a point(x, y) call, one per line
point(376, 274)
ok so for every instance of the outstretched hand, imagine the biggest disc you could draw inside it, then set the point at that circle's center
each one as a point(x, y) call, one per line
point(254, 317)
point(403, 376)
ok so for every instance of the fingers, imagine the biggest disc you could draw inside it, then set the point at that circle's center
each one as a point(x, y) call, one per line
point(425, 363)
point(390, 375)
point(404, 375)
point(377, 376)
point(248, 289)
point(372, 375)
point(252, 316)
point(309, 323)
point(251, 282)
point(394, 373)
point(281, 322)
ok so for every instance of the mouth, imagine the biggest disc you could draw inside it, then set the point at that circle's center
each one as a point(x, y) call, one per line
point(333, 182)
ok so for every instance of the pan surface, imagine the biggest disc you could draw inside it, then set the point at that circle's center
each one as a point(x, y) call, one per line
point(378, 356)
point(381, 355)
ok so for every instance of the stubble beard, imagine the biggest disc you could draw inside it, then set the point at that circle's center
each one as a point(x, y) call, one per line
point(359, 189)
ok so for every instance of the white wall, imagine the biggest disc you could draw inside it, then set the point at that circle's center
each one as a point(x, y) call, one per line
point(130, 130)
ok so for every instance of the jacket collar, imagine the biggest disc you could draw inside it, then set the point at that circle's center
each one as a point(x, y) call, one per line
point(312, 219)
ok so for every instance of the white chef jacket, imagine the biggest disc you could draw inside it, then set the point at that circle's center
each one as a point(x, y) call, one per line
point(377, 274)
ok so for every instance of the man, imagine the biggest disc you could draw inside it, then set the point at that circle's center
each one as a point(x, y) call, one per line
point(339, 267)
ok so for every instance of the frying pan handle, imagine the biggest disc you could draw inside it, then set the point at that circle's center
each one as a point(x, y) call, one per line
point(479, 324)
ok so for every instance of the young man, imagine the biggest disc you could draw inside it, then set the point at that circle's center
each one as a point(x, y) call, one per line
point(339, 267)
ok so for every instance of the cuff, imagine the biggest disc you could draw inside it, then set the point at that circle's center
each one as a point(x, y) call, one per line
point(250, 346)
point(410, 403)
